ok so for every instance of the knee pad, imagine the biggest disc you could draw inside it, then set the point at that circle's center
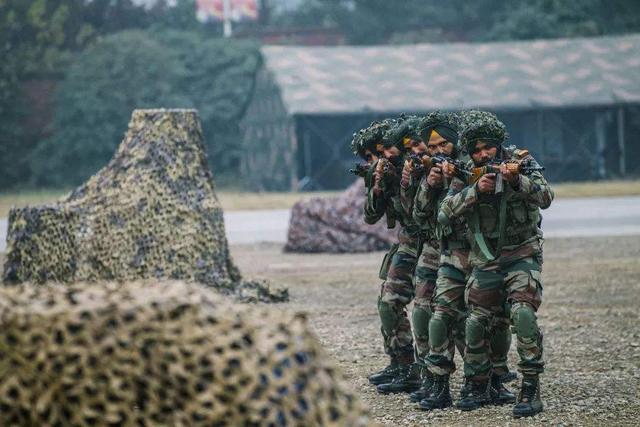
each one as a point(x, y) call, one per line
point(524, 321)
point(421, 318)
point(439, 330)
point(388, 316)
point(475, 331)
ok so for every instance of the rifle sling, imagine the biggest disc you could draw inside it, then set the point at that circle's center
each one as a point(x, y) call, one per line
point(479, 237)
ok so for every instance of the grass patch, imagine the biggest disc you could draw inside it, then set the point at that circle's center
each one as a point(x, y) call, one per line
point(27, 198)
point(598, 189)
point(238, 200)
point(230, 200)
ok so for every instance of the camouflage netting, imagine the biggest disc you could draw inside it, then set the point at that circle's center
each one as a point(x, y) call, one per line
point(336, 225)
point(151, 212)
point(168, 353)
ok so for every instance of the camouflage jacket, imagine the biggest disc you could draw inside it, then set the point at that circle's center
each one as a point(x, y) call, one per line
point(425, 207)
point(455, 233)
point(390, 203)
point(521, 205)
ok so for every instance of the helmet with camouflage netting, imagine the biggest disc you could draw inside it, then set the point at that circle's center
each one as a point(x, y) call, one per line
point(482, 126)
point(367, 138)
point(406, 129)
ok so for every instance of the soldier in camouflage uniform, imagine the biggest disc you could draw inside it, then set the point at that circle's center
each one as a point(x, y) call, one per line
point(398, 267)
point(506, 256)
point(446, 328)
point(367, 144)
point(426, 142)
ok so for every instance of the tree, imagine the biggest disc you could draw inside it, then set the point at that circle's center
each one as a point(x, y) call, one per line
point(136, 69)
point(381, 21)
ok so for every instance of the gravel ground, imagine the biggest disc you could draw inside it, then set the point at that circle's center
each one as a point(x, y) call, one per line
point(589, 316)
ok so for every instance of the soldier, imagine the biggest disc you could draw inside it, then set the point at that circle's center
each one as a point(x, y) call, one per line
point(399, 265)
point(446, 327)
point(367, 144)
point(432, 139)
point(365, 141)
point(502, 211)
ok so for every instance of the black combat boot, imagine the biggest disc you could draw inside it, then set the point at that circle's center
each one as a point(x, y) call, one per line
point(508, 377)
point(500, 395)
point(529, 402)
point(386, 375)
point(440, 396)
point(425, 387)
point(407, 379)
point(474, 394)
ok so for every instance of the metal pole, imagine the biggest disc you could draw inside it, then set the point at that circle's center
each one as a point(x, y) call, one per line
point(622, 159)
point(541, 134)
point(293, 141)
point(226, 12)
point(307, 154)
point(600, 145)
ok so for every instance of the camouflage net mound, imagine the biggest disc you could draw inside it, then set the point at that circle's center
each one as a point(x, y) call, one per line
point(336, 225)
point(152, 212)
point(168, 353)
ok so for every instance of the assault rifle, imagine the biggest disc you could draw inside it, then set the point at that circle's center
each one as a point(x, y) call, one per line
point(524, 166)
point(389, 174)
point(439, 159)
point(422, 164)
point(360, 169)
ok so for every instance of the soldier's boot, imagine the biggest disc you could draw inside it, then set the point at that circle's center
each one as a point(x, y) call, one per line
point(407, 379)
point(474, 394)
point(508, 377)
point(440, 396)
point(500, 395)
point(529, 402)
point(425, 386)
point(386, 375)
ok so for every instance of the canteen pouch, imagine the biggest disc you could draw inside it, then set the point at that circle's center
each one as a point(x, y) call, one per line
point(386, 261)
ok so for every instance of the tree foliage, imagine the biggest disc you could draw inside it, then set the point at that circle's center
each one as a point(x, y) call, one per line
point(136, 69)
point(410, 21)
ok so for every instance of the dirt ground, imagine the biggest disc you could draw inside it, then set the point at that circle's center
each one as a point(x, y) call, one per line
point(589, 315)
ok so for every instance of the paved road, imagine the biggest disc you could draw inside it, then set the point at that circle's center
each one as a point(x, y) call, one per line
point(588, 217)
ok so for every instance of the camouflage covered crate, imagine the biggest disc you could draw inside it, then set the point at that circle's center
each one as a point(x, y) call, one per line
point(161, 353)
point(151, 212)
point(336, 225)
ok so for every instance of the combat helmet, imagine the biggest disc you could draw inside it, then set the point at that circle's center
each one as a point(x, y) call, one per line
point(479, 125)
point(445, 124)
point(406, 127)
point(369, 137)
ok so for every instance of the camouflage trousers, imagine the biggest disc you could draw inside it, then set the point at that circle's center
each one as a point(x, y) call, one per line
point(447, 325)
point(512, 283)
point(425, 284)
point(396, 292)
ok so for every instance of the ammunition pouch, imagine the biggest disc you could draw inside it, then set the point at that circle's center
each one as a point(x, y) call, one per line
point(386, 261)
point(457, 244)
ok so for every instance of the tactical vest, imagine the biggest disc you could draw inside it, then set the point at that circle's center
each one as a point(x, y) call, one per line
point(499, 220)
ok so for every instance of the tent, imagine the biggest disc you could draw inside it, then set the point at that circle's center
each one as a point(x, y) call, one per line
point(574, 103)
